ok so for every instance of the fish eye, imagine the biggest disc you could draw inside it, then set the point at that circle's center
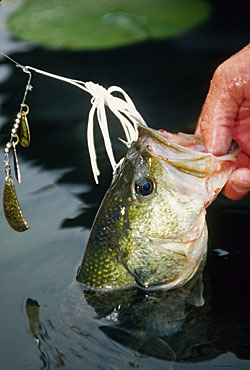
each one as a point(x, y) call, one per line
point(144, 186)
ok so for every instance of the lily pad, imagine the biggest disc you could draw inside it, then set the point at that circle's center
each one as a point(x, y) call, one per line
point(99, 24)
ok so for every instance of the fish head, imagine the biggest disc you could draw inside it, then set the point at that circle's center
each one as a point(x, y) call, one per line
point(150, 230)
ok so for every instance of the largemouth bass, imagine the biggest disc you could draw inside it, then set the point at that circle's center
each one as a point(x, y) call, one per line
point(150, 230)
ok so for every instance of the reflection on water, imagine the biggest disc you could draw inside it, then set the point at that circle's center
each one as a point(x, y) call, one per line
point(41, 337)
point(144, 322)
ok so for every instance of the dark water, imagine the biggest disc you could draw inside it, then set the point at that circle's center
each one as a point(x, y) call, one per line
point(168, 82)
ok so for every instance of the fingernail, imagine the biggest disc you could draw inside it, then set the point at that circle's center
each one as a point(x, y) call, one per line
point(240, 187)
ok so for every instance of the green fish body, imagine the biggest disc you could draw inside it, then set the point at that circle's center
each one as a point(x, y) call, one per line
point(150, 230)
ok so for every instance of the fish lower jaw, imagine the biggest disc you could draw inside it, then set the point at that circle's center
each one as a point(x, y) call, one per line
point(184, 249)
point(177, 283)
point(174, 266)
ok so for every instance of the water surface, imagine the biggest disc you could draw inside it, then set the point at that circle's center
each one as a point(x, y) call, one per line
point(168, 82)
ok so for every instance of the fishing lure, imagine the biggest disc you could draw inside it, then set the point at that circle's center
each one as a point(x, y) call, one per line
point(122, 107)
point(12, 210)
point(24, 128)
point(20, 133)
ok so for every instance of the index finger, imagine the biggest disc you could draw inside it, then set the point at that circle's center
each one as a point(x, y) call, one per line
point(226, 95)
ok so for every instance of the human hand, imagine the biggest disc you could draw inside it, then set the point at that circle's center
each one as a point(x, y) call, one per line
point(226, 115)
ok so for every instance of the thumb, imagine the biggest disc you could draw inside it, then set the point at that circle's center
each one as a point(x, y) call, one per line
point(238, 184)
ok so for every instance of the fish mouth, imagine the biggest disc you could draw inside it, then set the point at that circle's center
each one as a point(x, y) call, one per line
point(181, 142)
point(187, 152)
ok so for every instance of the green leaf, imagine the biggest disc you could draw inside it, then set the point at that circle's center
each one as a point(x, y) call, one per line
point(98, 24)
